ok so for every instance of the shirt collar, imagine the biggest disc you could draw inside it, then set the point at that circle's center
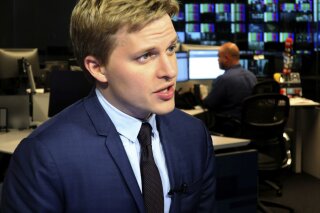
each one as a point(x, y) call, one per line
point(126, 125)
point(234, 67)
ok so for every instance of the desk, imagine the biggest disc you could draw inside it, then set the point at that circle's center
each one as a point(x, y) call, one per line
point(237, 188)
point(193, 111)
point(305, 135)
point(303, 127)
point(10, 140)
point(300, 102)
point(220, 142)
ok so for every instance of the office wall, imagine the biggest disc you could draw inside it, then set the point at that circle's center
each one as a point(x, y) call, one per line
point(35, 23)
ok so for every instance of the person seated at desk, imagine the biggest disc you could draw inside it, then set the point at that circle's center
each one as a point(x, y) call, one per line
point(229, 90)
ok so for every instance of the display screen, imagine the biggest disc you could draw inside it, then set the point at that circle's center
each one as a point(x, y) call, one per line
point(207, 12)
point(252, 37)
point(287, 7)
point(223, 12)
point(284, 35)
point(270, 37)
point(179, 17)
point(256, 28)
point(192, 27)
point(182, 61)
point(206, 8)
point(192, 12)
point(270, 16)
point(203, 64)
point(238, 28)
point(207, 28)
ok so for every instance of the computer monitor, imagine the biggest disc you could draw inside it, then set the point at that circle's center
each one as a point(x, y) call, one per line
point(203, 64)
point(182, 61)
point(9, 66)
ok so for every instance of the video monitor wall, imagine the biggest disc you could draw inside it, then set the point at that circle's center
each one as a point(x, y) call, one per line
point(210, 22)
point(255, 25)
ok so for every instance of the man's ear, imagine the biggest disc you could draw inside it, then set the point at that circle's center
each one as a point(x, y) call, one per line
point(95, 69)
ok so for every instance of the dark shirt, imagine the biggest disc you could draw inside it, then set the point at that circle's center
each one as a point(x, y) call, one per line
point(229, 90)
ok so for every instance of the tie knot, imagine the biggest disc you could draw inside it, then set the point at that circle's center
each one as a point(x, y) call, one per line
point(144, 135)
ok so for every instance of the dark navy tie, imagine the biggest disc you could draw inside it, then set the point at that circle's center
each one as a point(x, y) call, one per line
point(151, 181)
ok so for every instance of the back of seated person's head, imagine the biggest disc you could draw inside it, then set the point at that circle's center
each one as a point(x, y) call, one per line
point(229, 55)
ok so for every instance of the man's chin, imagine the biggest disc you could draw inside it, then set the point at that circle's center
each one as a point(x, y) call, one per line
point(165, 109)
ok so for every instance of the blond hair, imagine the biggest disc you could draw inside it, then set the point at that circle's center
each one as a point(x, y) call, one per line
point(94, 23)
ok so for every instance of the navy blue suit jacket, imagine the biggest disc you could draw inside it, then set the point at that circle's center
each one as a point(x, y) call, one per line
point(76, 162)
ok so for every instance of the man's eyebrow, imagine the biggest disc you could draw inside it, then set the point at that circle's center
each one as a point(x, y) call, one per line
point(175, 40)
point(151, 49)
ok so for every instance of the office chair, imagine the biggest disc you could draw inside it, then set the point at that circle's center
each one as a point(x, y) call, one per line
point(266, 86)
point(264, 117)
point(66, 87)
point(225, 125)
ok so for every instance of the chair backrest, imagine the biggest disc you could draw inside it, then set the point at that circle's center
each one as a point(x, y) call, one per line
point(264, 116)
point(266, 86)
point(66, 87)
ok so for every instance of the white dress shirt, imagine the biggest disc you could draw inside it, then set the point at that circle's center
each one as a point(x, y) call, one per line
point(128, 128)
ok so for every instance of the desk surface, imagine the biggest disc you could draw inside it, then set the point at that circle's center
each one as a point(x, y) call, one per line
point(10, 140)
point(193, 111)
point(294, 102)
point(220, 142)
point(299, 101)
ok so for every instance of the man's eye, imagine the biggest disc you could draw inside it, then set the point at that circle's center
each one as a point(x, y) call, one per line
point(144, 58)
point(172, 48)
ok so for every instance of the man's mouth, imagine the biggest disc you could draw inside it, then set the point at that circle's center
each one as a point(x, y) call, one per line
point(166, 93)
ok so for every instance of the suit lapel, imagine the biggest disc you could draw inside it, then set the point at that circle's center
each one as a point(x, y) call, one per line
point(170, 144)
point(119, 156)
point(105, 127)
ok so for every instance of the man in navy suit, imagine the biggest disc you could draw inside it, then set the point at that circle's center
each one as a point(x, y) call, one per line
point(86, 158)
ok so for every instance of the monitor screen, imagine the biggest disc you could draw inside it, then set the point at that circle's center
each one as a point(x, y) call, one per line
point(316, 41)
point(181, 36)
point(206, 8)
point(203, 64)
point(244, 63)
point(304, 6)
point(182, 61)
point(207, 27)
point(238, 28)
point(284, 35)
point(206, 12)
point(192, 27)
point(270, 17)
point(9, 67)
point(256, 28)
point(270, 37)
point(287, 7)
point(192, 12)
point(179, 17)
point(193, 37)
